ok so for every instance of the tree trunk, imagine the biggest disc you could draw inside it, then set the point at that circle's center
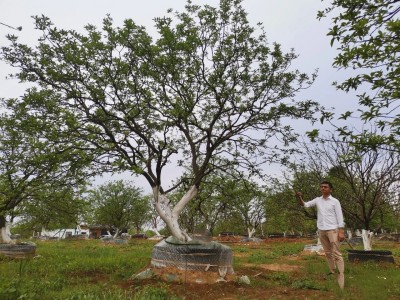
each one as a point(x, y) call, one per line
point(43, 231)
point(349, 234)
point(5, 231)
point(170, 215)
point(367, 239)
point(250, 231)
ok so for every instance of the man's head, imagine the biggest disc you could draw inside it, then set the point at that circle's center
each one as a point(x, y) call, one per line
point(326, 188)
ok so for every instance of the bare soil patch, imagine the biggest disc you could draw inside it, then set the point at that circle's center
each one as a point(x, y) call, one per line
point(276, 267)
point(170, 274)
point(232, 290)
point(188, 284)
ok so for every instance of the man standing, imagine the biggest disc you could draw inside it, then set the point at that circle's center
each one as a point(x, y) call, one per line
point(330, 227)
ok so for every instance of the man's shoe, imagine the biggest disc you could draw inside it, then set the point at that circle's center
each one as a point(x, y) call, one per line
point(328, 275)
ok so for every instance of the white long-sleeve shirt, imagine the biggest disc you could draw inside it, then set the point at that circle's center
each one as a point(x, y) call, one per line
point(330, 215)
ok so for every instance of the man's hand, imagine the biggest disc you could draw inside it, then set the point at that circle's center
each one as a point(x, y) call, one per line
point(299, 198)
point(341, 235)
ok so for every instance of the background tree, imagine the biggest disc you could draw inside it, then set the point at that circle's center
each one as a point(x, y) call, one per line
point(387, 220)
point(247, 199)
point(283, 213)
point(119, 206)
point(155, 223)
point(52, 209)
point(211, 204)
point(367, 35)
point(223, 197)
point(31, 165)
point(209, 92)
point(363, 180)
point(143, 213)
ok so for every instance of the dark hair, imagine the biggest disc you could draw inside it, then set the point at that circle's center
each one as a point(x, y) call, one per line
point(328, 183)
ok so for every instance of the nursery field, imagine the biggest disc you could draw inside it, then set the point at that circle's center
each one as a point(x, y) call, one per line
point(276, 269)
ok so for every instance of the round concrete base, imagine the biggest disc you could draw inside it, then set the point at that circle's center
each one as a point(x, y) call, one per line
point(364, 255)
point(193, 256)
point(18, 250)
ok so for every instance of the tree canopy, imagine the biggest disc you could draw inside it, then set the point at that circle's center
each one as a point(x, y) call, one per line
point(52, 209)
point(367, 34)
point(34, 168)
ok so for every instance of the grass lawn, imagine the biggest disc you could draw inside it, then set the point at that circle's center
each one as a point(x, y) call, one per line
point(277, 269)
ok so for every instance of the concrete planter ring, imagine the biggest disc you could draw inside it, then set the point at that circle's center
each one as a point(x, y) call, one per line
point(212, 256)
point(375, 255)
point(18, 250)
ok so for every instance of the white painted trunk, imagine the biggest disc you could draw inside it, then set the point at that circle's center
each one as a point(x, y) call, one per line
point(349, 234)
point(170, 214)
point(5, 235)
point(250, 231)
point(367, 239)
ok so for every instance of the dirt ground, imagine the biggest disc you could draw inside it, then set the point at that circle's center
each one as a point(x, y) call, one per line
point(209, 285)
point(231, 289)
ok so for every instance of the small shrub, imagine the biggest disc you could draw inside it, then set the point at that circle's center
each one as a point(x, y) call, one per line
point(150, 233)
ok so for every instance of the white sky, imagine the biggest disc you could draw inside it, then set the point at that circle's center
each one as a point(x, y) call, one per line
point(291, 23)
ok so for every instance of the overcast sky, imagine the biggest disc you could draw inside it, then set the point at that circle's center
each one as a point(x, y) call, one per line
point(291, 23)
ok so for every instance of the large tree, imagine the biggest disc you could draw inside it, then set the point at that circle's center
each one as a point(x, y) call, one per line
point(33, 168)
point(367, 35)
point(207, 93)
